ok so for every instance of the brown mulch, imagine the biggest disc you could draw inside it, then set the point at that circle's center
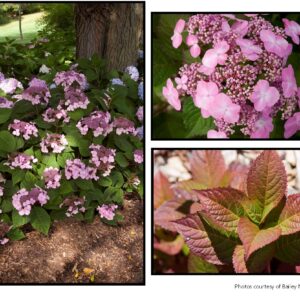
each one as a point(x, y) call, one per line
point(77, 252)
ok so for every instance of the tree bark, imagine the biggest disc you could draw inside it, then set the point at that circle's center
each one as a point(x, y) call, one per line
point(111, 30)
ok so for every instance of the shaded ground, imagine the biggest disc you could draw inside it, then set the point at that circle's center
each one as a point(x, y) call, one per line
point(79, 252)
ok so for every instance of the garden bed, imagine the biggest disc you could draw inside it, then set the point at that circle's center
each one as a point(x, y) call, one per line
point(75, 248)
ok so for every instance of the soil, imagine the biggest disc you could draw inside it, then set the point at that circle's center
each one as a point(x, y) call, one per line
point(77, 252)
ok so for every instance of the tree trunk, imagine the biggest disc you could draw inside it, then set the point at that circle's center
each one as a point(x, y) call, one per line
point(111, 30)
point(20, 21)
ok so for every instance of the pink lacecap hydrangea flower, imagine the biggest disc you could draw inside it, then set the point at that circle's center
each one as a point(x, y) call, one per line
point(52, 178)
point(25, 129)
point(181, 83)
point(292, 125)
point(124, 126)
point(37, 92)
point(216, 56)
point(171, 94)
point(249, 49)
point(264, 95)
point(107, 211)
point(23, 200)
point(4, 103)
point(75, 205)
point(103, 158)
point(289, 85)
point(75, 98)
point(177, 37)
point(53, 142)
point(99, 122)
point(10, 85)
point(140, 113)
point(263, 127)
point(52, 115)
point(292, 29)
point(192, 42)
point(213, 134)
point(138, 156)
point(205, 95)
point(70, 79)
point(76, 169)
point(21, 160)
point(274, 43)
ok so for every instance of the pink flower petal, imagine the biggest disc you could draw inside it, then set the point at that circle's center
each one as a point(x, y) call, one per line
point(292, 125)
point(176, 40)
point(195, 51)
point(179, 27)
point(289, 84)
point(213, 134)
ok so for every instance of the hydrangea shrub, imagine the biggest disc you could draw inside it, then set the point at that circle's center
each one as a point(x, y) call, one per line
point(237, 78)
point(71, 145)
point(235, 219)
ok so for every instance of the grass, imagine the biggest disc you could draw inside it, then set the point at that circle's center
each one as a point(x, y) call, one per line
point(29, 27)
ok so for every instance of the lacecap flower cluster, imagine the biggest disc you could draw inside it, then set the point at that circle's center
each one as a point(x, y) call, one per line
point(242, 79)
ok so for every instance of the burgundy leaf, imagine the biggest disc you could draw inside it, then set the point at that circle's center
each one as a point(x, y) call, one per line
point(266, 185)
point(238, 260)
point(186, 189)
point(289, 219)
point(222, 206)
point(253, 238)
point(162, 189)
point(205, 241)
point(237, 175)
point(170, 248)
point(167, 212)
point(208, 167)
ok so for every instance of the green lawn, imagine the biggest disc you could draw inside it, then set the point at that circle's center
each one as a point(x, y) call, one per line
point(29, 27)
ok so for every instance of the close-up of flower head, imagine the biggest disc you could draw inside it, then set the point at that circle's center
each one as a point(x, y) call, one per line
point(235, 74)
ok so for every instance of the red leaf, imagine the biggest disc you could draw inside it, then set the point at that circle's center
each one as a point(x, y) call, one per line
point(208, 167)
point(237, 173)
point(253, 238)
point(170, 248)
point(167, 212)
point(186, 189)
point(222, 206)
point(196, 237)
point(266, 185)
point(238, 260)
point(289, 219)
point(162, 189)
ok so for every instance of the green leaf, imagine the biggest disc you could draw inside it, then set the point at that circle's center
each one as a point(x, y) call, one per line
point(4, 115)
point(123, 143)
point(222, 206)
point(117, 179)
point(63, 157)
point(105, 181)
point(50, 160)
point(121, 160)
point(289, 219)
point(16, 234)
point(7, 142)
point(6, 205)
point(66, 187)
point(40, 220)
point(17, 176)
point(194, 123)
point(288, 248)
point(58, 214)
point(198, 265)
point(266, 185)
point(84, 184)
point(18, 220)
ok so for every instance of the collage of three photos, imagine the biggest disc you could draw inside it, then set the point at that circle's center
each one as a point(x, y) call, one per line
point(72, 143)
